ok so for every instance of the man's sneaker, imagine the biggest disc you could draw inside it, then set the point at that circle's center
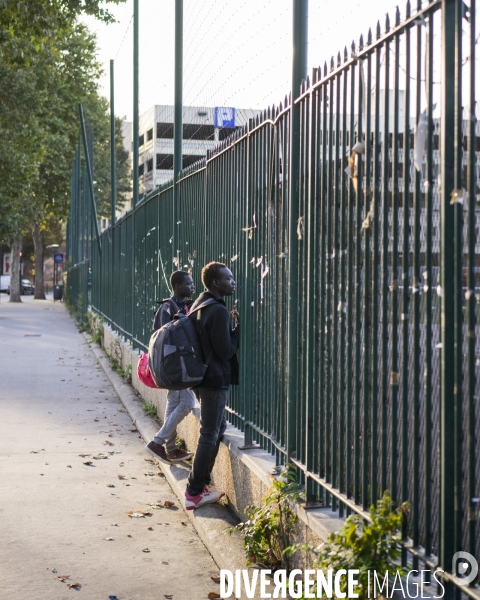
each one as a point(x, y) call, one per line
point(206, 497)
point(211, 488)
point(158, 451)
point(179, 455)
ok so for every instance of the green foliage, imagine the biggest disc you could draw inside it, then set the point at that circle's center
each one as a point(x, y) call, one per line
point(268, 527)
point(373, 546)
point(151, 410)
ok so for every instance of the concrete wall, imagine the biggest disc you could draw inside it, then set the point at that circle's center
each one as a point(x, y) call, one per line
point(243, 474)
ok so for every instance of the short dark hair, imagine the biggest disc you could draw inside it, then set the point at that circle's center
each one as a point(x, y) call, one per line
point(177, 278)
point(211, 272)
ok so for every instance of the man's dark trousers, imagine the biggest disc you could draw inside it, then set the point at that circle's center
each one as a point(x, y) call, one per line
point(212, 428)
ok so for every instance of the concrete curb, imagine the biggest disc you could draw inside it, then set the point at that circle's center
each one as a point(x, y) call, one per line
point(210, 521)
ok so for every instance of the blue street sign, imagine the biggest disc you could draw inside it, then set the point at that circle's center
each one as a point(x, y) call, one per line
point(58, 258)
point(224, 117)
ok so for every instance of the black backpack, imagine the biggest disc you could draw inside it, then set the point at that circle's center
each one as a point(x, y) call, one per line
point(175, 355)
point(156, 318)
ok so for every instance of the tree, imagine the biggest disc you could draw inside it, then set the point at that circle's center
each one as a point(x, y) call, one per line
point(33, 50)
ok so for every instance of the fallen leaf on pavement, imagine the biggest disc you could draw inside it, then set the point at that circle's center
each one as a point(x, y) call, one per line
point(108, 443)
point(84, 455)
point(99, 456)
point(109, 539)
point(167, 503)
point(89, 463)
point(96, 419)
point(63, 577)
point(74, 585)
point(183, 523)
point(69, 466)
point(150, 529)
point(215, 578)
point(145, 550)
point(33, 451)
point(164, 562)
point(101, 391)
point(133, 431)
point(121, 476)
point(168, 596)
point(139, 514)
point(110, 485)
point(150, 460)
point(213, 595)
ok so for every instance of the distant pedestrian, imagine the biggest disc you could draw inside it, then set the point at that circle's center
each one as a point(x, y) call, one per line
point(179, 402)
point(219, 346)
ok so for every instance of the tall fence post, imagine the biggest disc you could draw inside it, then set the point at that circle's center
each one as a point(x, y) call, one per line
point(178, 121)
point(90, 176)
point(135, 135)
point(448, 399)
point(299, 73)
point(113, 165)
point(113, 182)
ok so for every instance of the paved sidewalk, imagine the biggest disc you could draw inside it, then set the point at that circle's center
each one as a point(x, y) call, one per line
point(60, 516)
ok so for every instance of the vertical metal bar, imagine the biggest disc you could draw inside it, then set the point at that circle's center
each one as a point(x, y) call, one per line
point(90, 177)
point(375, 273)
point(329, 401)
point(178, 122)
point(113, 162)
point(458, 279)
point(447, 219)
point(394, 286)
point(135, 133)
point(405, 273)
point(350, 483)
point(471, 298)
point(323, 262)
point(368, 325)
point(427, 414)
point(345, 436)
point(416, 310)
point(299, 72)
point(385, 210)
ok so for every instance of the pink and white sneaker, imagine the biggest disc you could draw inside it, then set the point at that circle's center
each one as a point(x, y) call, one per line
point(208, 496)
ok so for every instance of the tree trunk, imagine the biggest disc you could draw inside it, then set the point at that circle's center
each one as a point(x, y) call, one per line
point(38, 246)
point(15, 248)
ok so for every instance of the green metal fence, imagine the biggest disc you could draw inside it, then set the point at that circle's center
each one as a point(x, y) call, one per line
point(385, 350)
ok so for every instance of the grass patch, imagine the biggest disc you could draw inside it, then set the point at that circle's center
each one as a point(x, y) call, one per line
point(151, 410)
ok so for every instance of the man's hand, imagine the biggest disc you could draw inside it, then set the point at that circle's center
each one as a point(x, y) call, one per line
point(235, 315)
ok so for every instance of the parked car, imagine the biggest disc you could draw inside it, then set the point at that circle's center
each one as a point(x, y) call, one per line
point(26, 287)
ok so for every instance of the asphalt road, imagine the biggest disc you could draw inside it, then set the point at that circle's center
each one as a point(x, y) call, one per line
point(59, 515)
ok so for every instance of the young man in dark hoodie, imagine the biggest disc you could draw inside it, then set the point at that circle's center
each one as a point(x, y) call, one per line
point(179, 402)
point(219, 346)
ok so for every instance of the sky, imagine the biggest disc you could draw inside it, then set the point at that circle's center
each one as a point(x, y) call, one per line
point(236, 52)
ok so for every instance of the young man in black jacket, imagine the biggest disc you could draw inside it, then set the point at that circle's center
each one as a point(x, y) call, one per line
point(219, 346)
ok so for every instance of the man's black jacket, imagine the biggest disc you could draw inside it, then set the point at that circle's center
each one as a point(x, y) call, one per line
point(218, 339)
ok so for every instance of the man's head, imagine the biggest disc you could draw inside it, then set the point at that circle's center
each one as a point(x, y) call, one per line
point(218, 279)
point(182, 285)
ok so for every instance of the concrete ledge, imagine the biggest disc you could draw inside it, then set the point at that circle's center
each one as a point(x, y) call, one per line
point(245, 475)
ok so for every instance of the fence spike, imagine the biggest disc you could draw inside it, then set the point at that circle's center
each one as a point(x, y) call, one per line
point(397, 16)
point(345, 55)
point(332, 64)
point(369, 36)
point(360, 44)
point(408, 9)
point(339, 59)
point(325, 69)
point(379, 30)
point(387, 23)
